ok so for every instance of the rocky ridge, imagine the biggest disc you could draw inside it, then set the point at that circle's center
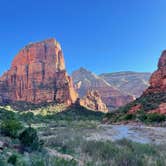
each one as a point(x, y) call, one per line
point(128, 82)
point(85, 80)
point(38, 75)
point(158, 78)
point(153, 100)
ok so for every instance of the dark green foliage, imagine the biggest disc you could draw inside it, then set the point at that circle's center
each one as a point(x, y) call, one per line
point(30, 140)
point(38, 163)
point(141, 116)
point(62, 162)
point(76, 113)
point(12, 159)
point(121, 153)
point(11, 128)
point(2, 162)
point(152, 101)
point(148, 102)
point(119, 116)
point(155, 117)
point(100, 150)
point(28, 117)
point(137, 147)
point(6, 115)
point(128, 117)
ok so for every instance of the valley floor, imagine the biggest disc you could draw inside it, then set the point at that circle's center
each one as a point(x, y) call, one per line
point(71, 139)
point(135, 133)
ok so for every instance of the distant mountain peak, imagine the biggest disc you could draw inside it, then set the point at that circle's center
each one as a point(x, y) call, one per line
point(86, 80)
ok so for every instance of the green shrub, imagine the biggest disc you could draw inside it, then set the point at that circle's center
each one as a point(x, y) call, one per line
point(28, 116)
point(11, 128)
point(113, 116)
point(141, 115)
point(63, 162)
point(2, 162)
point(154, 117)
point(9, 115)
point(100, 150)
point(12, 159)
point(38, 163)
point(129, 117)
point(30, 140)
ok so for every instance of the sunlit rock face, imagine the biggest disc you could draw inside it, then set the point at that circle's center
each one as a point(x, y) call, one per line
point(158, 78)
point(92, 100)
point(85, 80)
point(37, 75)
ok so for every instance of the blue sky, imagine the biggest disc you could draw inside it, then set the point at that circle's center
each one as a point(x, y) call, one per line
point(100, 35)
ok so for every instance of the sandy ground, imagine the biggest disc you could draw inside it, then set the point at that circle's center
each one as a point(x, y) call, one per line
point(141, 134)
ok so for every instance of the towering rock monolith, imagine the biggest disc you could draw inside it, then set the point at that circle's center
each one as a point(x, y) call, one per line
point(38, 75)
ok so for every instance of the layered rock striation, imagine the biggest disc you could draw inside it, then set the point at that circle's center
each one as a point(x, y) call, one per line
point(38, 75)
point(128, 82)
point(85, 80)
point(92, 100)
point(158, 78)
point(153, 100)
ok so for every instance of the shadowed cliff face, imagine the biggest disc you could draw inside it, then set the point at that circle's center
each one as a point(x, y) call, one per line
point(37, 75)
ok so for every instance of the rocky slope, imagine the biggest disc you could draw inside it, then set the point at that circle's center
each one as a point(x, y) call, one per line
point(37, 75)
point(132, 83)
point(85, 80)
point(153, 100)
point(93, 101)
point(158, 78)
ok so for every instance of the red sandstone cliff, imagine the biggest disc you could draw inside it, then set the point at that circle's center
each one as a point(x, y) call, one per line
point(86, 81)
point(38, 75)
point(158, 78)
point(92, 100)
point(153, 99)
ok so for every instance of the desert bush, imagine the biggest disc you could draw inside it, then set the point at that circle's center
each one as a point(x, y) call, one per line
point(11, 128)
point(2, 162)
point(6, 115)
point(138, 148)
point(30, 140)
point(121, 153)
point(28, 117)
point(12, 159)
point(141, 116)
point(128, 117)
point(38, 162)
point(154, 117)
point(100, 150)
point(114, 116)
point(63, 162)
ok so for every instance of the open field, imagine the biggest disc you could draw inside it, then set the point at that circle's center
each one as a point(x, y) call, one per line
point(83, 141)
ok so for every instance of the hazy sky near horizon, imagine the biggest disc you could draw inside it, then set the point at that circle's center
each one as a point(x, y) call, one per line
point(100, 35)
